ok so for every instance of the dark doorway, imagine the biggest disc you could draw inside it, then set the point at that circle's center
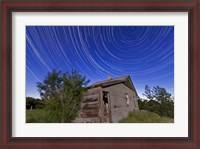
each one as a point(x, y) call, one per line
point(106, 107)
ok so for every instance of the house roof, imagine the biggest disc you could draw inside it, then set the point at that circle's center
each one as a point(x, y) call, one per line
point(126, 80)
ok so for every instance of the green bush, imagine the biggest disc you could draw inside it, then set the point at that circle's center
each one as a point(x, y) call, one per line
point(62, 94)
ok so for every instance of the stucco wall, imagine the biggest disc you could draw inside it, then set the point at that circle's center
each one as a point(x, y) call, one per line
point(119, 106)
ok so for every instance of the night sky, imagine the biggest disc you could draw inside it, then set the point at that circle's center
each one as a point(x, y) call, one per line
point(146, 53)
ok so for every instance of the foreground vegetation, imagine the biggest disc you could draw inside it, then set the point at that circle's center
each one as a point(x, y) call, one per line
point(61, 95)
point(41, 116)
point(37, 116)
point(158, 101)
point(146, 117)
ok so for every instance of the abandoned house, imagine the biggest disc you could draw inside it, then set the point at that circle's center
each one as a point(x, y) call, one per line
point(108, 101)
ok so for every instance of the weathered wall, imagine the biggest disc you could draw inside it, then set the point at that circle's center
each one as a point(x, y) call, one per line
point(90, 107)
point(119, 106)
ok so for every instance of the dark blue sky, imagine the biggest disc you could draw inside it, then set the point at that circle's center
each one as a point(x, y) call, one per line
point(146, 53)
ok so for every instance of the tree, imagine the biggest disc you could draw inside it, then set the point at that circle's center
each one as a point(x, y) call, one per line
point(161, 94)
point(32, 103)
point(158, 93)
point(160, 101)
point(62, 93)
point(148, 92)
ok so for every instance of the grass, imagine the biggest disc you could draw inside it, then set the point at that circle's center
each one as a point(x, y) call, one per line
point(146, 117)
point(36, 116)
point(40, 116)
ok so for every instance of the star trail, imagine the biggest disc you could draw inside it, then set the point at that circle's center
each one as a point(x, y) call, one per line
point(146, 53)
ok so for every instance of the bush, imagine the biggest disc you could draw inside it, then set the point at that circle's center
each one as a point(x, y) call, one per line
point(62, 94)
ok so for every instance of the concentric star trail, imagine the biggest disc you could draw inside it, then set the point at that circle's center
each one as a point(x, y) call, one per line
point(146, 53)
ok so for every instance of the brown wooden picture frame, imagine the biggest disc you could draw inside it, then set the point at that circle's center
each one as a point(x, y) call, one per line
point(9, 6)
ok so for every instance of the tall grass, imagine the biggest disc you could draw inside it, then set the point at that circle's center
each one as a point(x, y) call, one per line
point(41, 116)
point(146, 117)
point(36, 116)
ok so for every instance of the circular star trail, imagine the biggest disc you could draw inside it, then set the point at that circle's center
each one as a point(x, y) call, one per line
point(146, 53)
